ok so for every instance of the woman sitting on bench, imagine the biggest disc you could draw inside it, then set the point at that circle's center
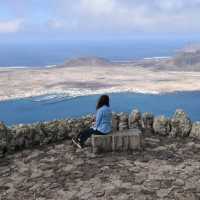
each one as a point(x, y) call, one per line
point(103, 122)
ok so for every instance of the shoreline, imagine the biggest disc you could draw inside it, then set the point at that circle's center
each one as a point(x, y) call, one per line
point(63, 96)
point(4, 68)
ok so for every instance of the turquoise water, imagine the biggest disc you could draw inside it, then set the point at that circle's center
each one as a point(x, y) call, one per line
point(31, 110)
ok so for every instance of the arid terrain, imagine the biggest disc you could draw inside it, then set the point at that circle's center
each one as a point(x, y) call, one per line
point(167, 169)
point(93, 76)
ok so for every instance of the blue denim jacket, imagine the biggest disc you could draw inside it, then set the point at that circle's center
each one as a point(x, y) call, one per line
point(104, 120)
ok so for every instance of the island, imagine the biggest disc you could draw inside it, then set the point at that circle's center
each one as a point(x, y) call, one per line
point(93, 75)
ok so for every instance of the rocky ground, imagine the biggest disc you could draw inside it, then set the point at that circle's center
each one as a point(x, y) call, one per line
point(166, 169)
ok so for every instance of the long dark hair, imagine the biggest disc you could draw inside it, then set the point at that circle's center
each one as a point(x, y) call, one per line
point(103, 101)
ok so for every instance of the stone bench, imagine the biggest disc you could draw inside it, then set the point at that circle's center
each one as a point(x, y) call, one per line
point(120, 141)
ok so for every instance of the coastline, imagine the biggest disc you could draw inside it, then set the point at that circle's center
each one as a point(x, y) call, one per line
point(75, 94)
point(4, 68)
point(62, 96)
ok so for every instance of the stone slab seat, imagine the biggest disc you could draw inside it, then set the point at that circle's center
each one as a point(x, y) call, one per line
point(120, 141)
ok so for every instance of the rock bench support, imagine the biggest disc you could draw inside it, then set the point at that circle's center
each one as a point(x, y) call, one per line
point(122, 141)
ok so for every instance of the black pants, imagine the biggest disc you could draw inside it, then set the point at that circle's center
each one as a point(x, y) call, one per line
point(84, 135)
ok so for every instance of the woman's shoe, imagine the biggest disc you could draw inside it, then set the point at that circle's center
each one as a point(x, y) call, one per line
point(77, 143)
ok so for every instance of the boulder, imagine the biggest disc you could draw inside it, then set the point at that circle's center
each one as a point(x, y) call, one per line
point(88, 120)
point(123, 121)
point(135, 119)
point(115, 122)
point(77, 126)
point(161, 125)
point(40, 136)
point(47, 132)
point(63, 130)
point(180, 124)
point(3, 138)
point(147, 122)
point(195, 132)
point(58, 130)
point(20, 137)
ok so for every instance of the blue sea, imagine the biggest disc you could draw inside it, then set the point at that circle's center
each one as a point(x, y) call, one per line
point(43, 109)
point(45, 54)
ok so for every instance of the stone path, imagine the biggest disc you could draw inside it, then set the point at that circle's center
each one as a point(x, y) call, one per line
point(167, 169)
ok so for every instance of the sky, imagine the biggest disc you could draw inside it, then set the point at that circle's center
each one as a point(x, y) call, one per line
point(97, 19)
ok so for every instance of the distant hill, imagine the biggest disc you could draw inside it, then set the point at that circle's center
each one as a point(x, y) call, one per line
point(188, 58)
point(192, 48)
point(87, 61)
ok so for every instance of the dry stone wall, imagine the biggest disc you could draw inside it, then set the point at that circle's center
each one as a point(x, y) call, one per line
point(147, 122)
point(195, 132)
point(27, 136)
point(180, 124)
point(123, 121)
point(161, 125)
point(135, 120)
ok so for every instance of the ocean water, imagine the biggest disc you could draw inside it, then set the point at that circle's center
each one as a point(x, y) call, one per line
point(41, 54)
point(47, 54)
point(44, 109)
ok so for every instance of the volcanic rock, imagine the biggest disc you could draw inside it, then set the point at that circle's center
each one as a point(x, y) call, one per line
point(161, 125)
point(180, 124)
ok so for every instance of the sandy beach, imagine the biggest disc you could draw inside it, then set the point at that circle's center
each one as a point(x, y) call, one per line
point(95, 79)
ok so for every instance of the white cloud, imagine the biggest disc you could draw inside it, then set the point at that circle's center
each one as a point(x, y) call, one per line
point(10, 26)
point(104, 16)
point(55, 24)
point(131, 15)
point(97, 7)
